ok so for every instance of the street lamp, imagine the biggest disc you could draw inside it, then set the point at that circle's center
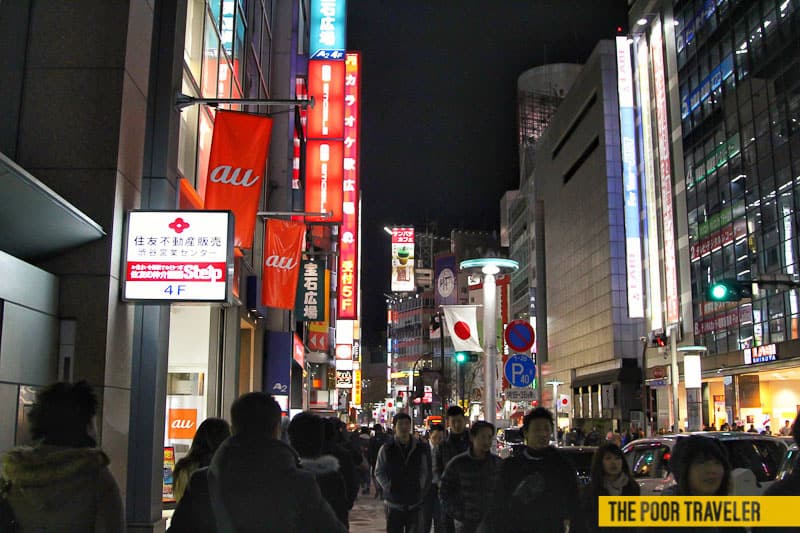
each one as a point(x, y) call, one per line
point(489, 267)
point(555, 384)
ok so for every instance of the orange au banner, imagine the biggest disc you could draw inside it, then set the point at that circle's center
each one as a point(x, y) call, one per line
point(236, 168)
point(283, 244)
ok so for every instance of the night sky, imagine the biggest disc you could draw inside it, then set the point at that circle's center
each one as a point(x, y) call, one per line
point(438, 131)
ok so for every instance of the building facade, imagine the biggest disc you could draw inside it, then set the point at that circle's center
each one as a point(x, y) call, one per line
point(591, 346)
point(94, 129)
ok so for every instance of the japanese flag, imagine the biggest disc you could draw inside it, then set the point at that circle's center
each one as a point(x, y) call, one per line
point(462, 324)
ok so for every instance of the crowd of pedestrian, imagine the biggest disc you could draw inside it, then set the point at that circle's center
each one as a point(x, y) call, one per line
point(306, 475)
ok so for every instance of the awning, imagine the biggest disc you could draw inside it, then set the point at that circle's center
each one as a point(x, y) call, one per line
point(36, 221)
point(623, 375)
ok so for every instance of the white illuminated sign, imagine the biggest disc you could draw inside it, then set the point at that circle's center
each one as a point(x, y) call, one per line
point(653, 264)
point(178, 256)
point(761, 354)
point(633, 240)
point(665, 165)
point(692, 371)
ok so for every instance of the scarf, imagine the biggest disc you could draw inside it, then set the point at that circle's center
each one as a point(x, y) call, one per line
point(615, 487)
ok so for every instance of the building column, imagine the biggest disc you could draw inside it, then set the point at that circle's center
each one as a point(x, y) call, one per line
point(151, 322)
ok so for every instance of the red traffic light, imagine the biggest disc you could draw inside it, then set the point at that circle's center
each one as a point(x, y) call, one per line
point(659, 340)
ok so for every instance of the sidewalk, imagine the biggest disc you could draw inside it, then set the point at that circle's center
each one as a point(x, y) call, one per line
point(367, 515)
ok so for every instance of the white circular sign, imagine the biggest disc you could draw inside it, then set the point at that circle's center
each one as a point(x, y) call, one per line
point(446, 283)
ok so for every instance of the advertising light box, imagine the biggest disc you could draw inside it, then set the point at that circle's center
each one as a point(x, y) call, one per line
point(402, 259)
point(348, 236)
point(178, 256)
point(326, 84)
point(328, 29)
point(324, 175)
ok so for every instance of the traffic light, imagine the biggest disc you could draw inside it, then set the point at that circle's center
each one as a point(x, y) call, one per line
point(658, 339)
point(465, 357)
point(728, 290)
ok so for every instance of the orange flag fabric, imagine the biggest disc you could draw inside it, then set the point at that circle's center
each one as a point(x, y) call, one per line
point(283, 244)
point(236, 169)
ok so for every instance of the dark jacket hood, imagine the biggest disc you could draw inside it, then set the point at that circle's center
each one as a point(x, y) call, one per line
point(50, 465)
point(324, 464)
point(254, 454)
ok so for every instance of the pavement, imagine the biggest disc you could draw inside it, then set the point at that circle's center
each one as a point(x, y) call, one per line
point(367, 515)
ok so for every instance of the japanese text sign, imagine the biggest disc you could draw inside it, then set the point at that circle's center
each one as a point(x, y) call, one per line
point(178, 256)
point(348, 239)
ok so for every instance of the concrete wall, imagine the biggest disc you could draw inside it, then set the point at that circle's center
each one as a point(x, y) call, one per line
point(82, 107)
point(585, 246)
point(29, 337)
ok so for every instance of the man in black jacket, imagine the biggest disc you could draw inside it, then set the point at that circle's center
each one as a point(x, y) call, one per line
point(403, 471)
point(455, 442)
point(255, 482)
point(466, 486)
point(536, 490)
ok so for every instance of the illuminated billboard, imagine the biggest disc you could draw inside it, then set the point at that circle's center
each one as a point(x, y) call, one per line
point(653, 263)
point(402, 259)
point(324, 175)
point(326, 84)
point(667, 215)
point(633, 250)
point(178, 256)
point(348, 235)
point(327, 31)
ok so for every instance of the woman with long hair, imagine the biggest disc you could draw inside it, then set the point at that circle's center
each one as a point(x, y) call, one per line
point(62, 483)
point(209, 436)
point(611, 476)
point(701, 467)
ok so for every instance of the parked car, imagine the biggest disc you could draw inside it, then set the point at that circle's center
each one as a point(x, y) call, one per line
point(581, 458)
point(758, 457)
point(789, 464)
point(509, 440)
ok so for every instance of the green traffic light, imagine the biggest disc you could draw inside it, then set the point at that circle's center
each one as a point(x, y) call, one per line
point(461, 357)
point(719, 291)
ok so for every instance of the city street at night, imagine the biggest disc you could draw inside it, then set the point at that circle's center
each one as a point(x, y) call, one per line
point(519, 265)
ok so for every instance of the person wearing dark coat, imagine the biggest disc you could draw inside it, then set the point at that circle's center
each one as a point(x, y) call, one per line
point(404, 473)
point(256, 482)
point(306, 436)
point(538, 486)
point(333, 446)
point(466, 486)
point(611, 476)
point(193, 513)
point(375, 442)
point(455, 442)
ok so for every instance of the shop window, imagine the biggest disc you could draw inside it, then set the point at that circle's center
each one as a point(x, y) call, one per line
point(193, 46)
point(208, 83)
point(206, 130)
point(187, 138)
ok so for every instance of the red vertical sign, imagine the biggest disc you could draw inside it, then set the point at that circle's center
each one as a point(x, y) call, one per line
point(324, 169)
point(326, 86)
point(348, 236)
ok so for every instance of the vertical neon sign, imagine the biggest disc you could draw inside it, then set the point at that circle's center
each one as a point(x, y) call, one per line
point(348, 237)
point(633, 250)
point(662, 119)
